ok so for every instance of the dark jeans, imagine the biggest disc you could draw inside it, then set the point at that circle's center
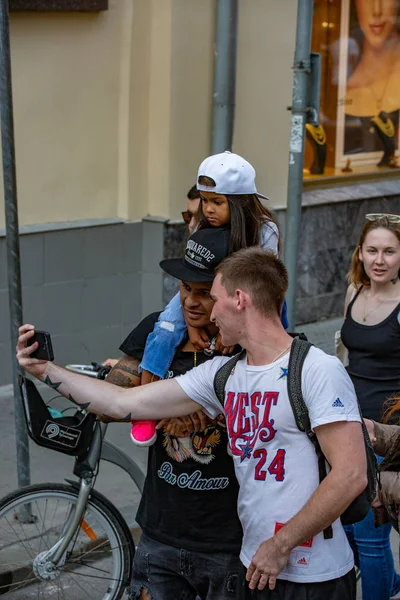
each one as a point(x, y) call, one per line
point(169, 573)
point(343, 588)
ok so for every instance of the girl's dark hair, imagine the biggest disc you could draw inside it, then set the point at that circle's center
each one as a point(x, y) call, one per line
point(248, 215)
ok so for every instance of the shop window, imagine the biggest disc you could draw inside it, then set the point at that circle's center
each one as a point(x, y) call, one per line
point(360, 90)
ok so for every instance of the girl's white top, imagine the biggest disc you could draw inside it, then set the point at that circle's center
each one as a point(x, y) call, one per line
point(269, 237)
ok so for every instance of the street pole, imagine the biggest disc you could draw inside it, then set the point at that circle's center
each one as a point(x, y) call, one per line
point(12, 237)
point(225, 51)
point(301, 81)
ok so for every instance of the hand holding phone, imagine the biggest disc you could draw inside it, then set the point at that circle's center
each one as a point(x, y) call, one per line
point(45, 348)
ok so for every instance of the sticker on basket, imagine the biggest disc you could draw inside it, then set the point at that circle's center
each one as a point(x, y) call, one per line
point(65, 436)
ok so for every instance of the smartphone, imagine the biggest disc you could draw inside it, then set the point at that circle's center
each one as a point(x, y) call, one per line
point(45, 349)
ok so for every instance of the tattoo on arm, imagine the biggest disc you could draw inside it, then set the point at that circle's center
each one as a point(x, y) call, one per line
point(52, 384)
point(125, 373)
point(127, 369)
point(121, 380)
point(107, 419)
point(84, 405)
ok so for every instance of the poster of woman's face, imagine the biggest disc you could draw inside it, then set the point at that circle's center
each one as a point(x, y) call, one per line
point(369, 79)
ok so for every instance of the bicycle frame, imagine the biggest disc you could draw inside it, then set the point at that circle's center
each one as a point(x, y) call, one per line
point(99, 449)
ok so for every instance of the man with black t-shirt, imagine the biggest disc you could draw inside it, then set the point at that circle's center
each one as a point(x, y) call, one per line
point(191, 532)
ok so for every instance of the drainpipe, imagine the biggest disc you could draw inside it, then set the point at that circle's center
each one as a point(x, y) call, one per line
point(225, 50)
point(12, 240)
point(301, 82)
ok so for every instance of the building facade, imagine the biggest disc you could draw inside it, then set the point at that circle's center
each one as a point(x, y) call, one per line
point(112, 117)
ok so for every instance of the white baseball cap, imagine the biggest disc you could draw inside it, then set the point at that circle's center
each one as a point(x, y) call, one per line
point(231, 173)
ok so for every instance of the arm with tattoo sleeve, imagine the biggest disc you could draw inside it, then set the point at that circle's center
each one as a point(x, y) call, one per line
point(153, 401)
point(124, 374)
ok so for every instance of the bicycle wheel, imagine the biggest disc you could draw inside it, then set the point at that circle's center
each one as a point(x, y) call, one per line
point(97, 563)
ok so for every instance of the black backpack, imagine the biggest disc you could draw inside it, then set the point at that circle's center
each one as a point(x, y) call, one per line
point(360, 506)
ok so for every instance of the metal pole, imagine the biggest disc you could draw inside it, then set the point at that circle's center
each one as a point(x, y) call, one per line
point(225, 50)
point(13, 259)
point(302, 64)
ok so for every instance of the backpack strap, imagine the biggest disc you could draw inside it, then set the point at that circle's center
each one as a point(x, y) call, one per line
point(298, 353)
point(222, 376)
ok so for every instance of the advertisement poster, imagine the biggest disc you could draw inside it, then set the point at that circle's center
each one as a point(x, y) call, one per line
point(369, 82)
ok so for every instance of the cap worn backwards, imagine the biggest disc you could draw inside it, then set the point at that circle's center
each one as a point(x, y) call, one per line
point(232, 174)
point(205, 249)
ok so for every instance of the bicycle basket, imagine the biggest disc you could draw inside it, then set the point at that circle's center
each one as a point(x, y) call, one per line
point(69, 435)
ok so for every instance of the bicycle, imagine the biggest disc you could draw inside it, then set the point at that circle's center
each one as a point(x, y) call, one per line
point(67, 540)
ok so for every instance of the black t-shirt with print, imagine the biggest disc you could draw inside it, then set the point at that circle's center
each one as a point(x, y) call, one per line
point(190, 495)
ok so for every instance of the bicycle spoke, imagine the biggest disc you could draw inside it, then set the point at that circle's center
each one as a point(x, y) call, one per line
point(88, 566)
point(93, 565)
point(97, 551)
point(77, 582)
point(19, 585)
point(94, 576)
point(19, 539)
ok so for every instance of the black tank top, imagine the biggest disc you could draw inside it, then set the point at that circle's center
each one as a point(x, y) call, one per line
point(374, 360)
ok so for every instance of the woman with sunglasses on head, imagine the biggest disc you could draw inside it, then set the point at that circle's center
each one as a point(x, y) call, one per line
point(371, 333)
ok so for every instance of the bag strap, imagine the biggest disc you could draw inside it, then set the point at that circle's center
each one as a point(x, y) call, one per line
point(298, 353)
point(222, 375)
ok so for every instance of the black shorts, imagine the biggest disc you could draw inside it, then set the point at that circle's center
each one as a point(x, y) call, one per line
point(342, 588)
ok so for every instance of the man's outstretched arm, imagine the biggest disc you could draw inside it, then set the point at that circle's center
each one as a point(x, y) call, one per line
point(153, 401)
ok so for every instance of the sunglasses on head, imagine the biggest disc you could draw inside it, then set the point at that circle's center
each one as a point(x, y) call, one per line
point(378, 216)
point(187, 216)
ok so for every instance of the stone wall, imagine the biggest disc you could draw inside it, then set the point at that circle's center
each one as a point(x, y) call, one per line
point(81, 284)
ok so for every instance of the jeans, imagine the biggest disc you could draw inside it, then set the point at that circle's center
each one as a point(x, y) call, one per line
point(342, 588)
point(165, 338)
point(373, 555)
point(169, 573)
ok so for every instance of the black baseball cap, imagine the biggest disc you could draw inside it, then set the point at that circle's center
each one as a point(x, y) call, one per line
point(205, 249)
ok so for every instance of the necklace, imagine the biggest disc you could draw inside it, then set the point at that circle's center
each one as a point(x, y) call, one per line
point(194, 358)
point(366, 314)
point(384, 124)
point(282, 353)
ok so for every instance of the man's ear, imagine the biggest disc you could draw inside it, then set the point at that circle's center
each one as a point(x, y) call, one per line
point(241, 299)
